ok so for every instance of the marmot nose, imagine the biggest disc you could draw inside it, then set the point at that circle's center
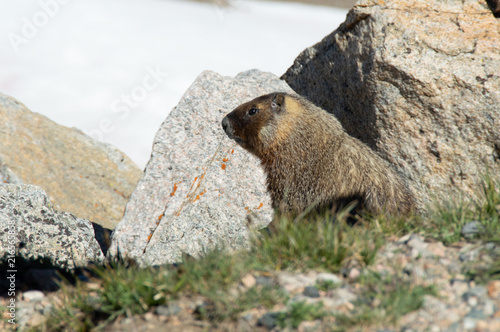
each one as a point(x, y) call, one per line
point(225, 123)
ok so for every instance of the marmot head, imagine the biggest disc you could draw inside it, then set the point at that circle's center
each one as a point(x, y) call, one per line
point(255, 125)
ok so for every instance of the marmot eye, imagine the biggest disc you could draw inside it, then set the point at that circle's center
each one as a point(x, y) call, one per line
point(253, 111)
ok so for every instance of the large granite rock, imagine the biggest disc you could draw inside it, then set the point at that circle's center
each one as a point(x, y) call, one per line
point(199, 189)
point(90, 179)
point(418, 81)
point(32, 230)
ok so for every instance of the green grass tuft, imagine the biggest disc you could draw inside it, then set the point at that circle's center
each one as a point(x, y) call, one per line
point(322, 242)
point(385, 300)
point(446, 221)
point(299, 312)
point(326, 285)
point(220, 306)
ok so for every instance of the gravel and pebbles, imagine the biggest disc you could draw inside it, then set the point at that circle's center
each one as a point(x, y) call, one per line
point(461, 304)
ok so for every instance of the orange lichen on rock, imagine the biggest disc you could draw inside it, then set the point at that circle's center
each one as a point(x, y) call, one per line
point(225, 159)
point(149, 237)
point(199, 196)
point(194, 181)
point(260, 205)
point(174, 190)
point(223, 166)
point(119, 192)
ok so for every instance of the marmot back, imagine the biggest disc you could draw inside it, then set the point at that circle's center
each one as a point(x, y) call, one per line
point(310, 160)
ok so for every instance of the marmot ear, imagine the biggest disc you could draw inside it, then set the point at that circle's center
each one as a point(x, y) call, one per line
point(278, 101)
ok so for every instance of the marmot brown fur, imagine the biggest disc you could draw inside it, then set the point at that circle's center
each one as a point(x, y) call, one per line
point(311, 161)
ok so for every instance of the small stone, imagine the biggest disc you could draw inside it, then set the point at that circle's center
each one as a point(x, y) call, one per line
point(171, 309)
point(348, 306)
point(472, 301)
point(149, 316)
point(328, 277)
point(268, 320)
point(469, 323)
point(489, 308)
point(311, 291)
point(300, 298)
point(483, 326)
point(494, 289)
point(93, 286)
point(476, 314)
point(469, 256)
point(47, 309)
point(247, 316)
point(308, 326)
point(387, 254)
point(455, 327)
point(459, 287)
point(495, 325)
point(418, 246)
point(35, 320)
point(415, 253)
point(248, 281)
point(404, 239)
point(451, 316)
point(437, 249)
point(417, 242)
point(338, 297)
point(382, 269)
point(39, 306)
point(471, 229)
point(490, 246)
point(264, 281)
point(293, 282)
point(354, 274)
point(33, 295)
point(432, 304)
point(477, 291)
point(414, 271)
point(24, 313)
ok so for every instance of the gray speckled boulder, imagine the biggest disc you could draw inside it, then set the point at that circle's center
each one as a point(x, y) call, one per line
point(67, 242)
point(418, 81)
point(199, 189)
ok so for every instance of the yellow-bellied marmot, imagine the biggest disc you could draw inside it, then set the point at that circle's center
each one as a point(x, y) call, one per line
point(311, 161)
